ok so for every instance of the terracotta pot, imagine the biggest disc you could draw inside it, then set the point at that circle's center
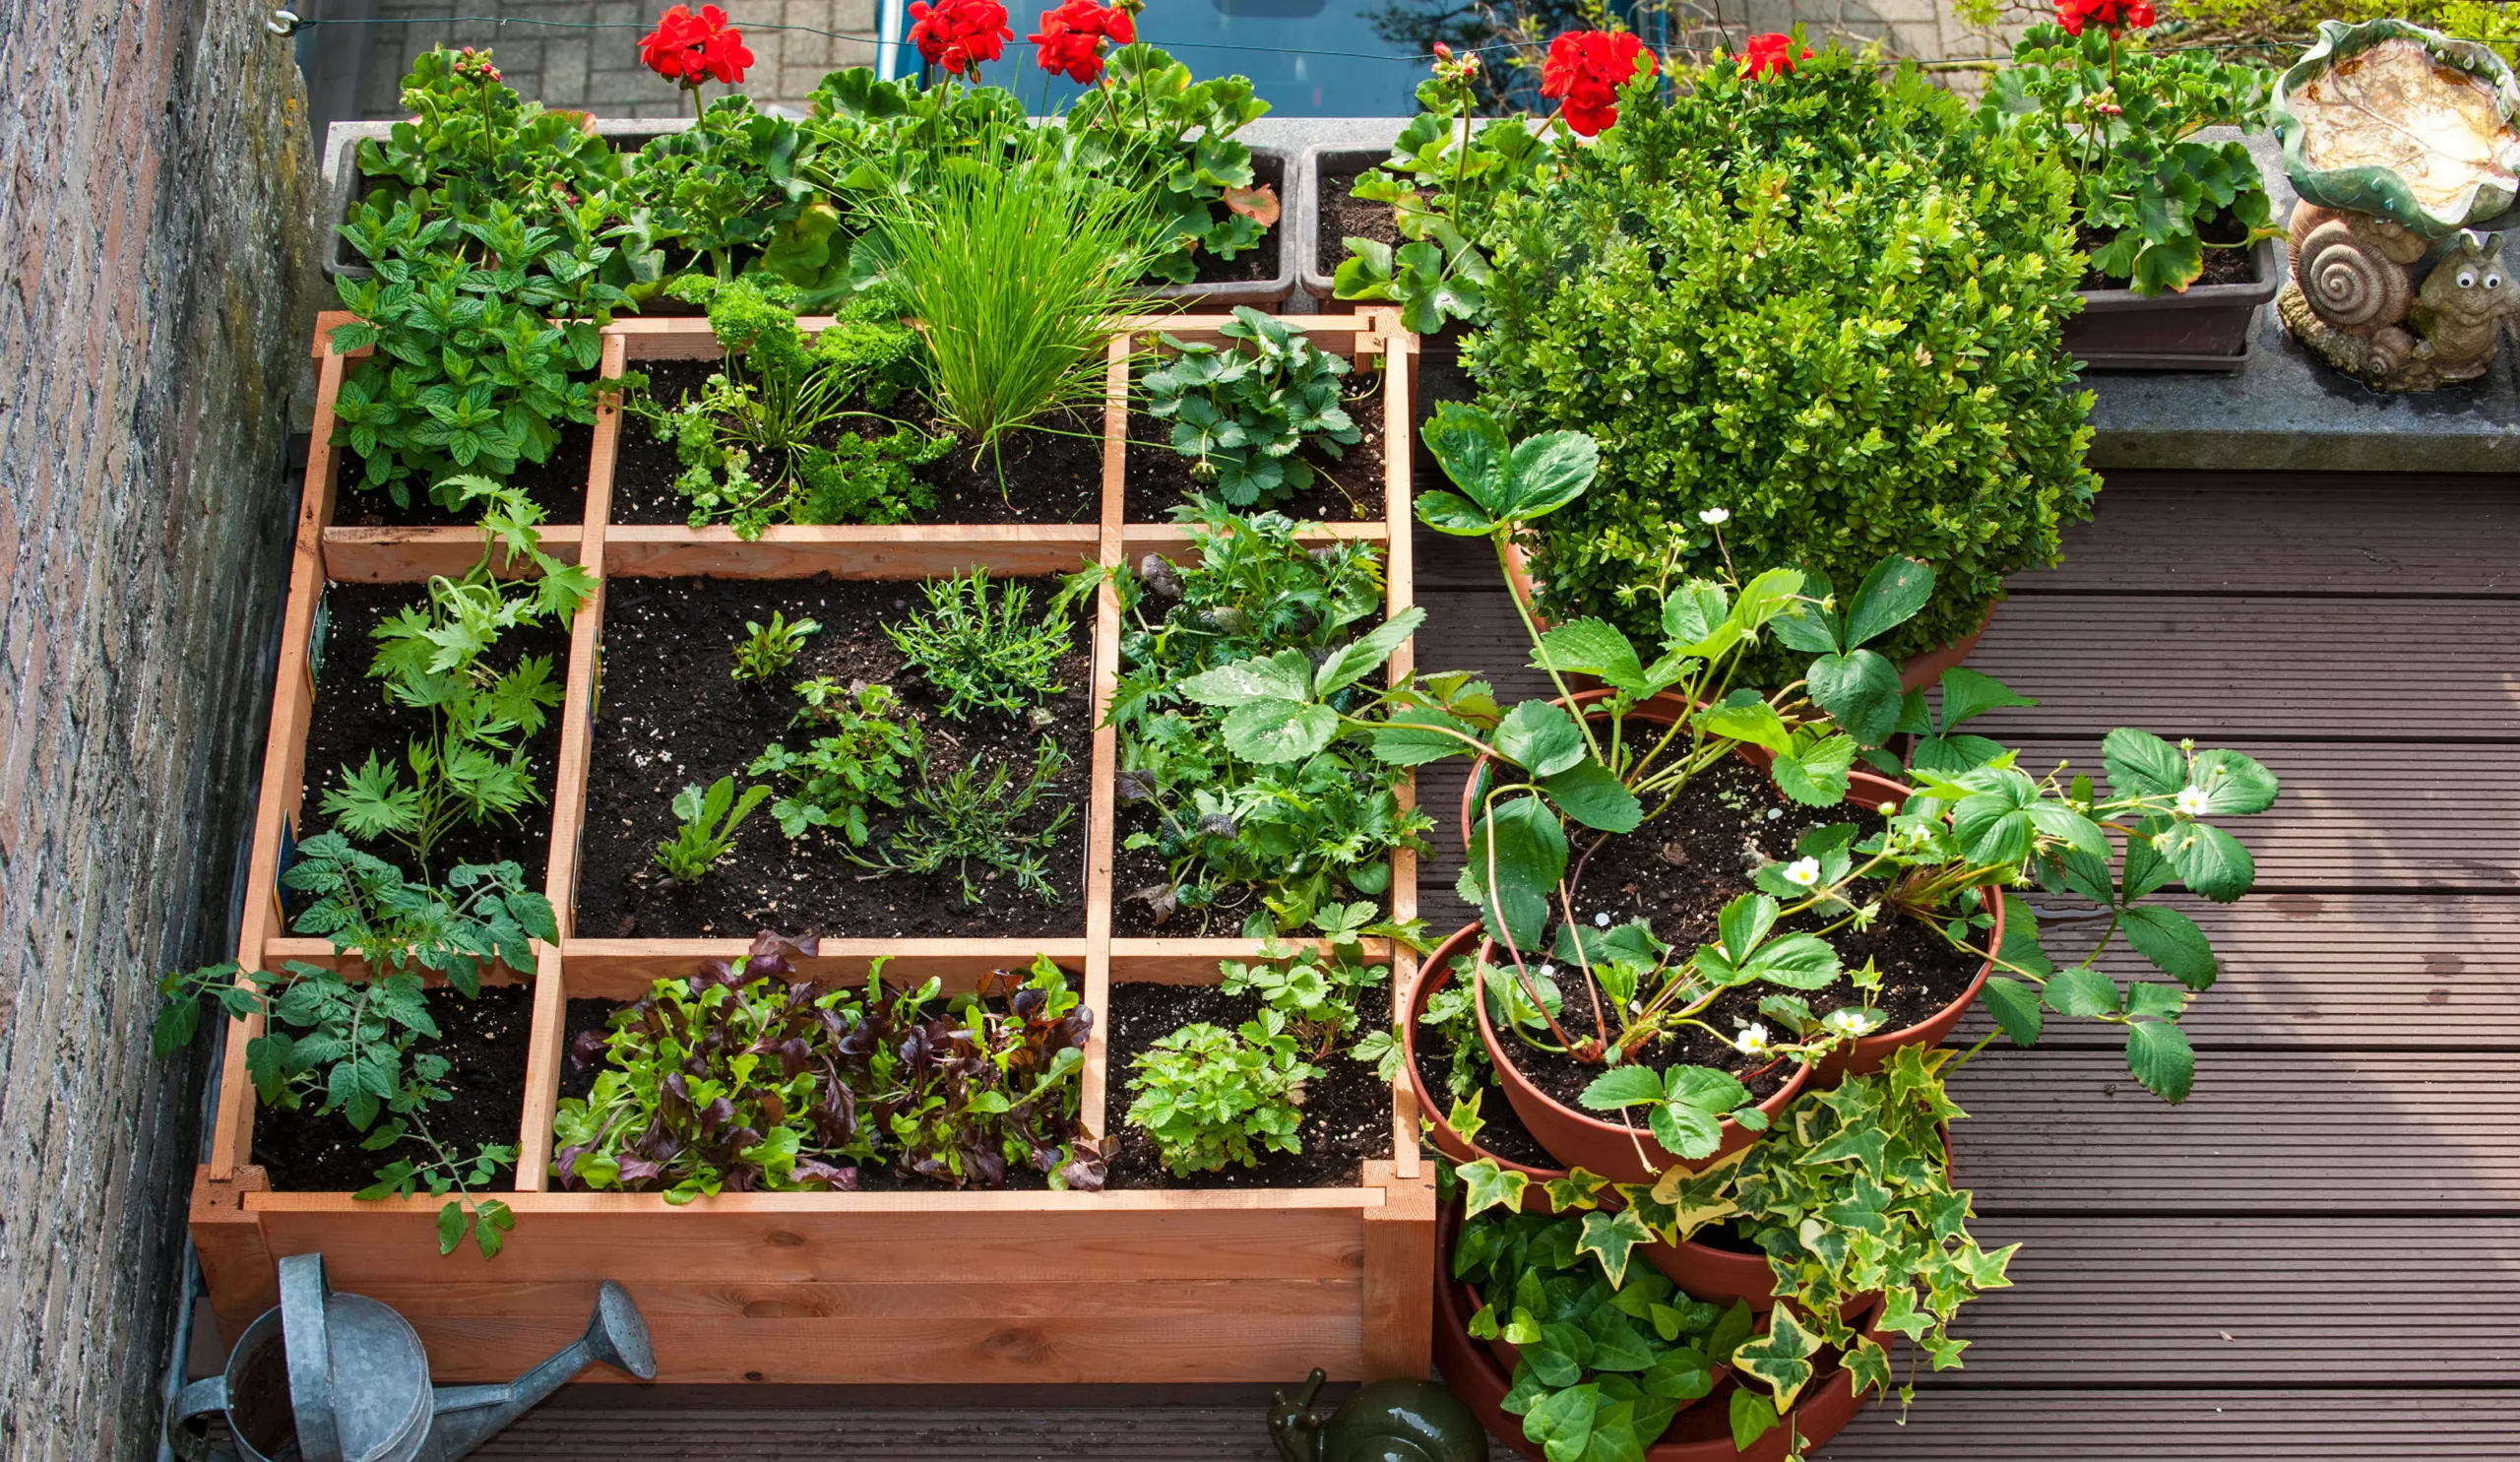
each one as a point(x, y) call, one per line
point(1434, 972)
point(1617, 1151)
point(1866, 789)
point(1716, 1274)
point(1916, 673)
point(1702, 1433)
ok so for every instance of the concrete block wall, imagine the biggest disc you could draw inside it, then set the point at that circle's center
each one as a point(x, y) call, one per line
point(156, 226)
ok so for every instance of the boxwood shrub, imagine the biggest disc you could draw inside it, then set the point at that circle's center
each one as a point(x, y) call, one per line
point(1823, 301)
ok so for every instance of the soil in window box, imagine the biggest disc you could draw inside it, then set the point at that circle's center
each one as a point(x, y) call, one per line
point(557, 485)
point(1344, 490)
point(672, 716)
point(1346, 1112)
point(2233, 263)
point(483, 1041)
point(1344, 217)
point(1139, 868)
point(1052, 476)
point(351, 717)
point(1679, 870)
point(1259, 262)
point(594, 1017)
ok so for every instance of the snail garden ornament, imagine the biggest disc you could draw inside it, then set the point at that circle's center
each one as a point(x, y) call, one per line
point(2397, 140)
point(1386, 1420)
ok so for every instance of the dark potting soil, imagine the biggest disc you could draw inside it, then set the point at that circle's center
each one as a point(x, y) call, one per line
point(484, 1043)
point(1346, 1112)
point(1344, 217)
point(1260, 262)
point(671, 716)
point(1137, 874)
point(1052, 476)
point(1344, 490)
point(352, 718)
point(2227, 265)
point(1679, 872)
point(557, 485)
point(1502, 1133)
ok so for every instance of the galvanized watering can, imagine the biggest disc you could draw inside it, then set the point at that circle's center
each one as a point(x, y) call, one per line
point(331, 1378)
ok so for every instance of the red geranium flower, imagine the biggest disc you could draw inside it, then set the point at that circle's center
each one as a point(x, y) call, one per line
point(1774, 52)
point(959, 35)
point(1587, 68)
point(2112, 15)
point(1071, 39)
point(689, 49)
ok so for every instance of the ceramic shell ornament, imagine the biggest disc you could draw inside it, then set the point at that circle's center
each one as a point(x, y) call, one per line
point(1386, 1420)
point(2402, 123)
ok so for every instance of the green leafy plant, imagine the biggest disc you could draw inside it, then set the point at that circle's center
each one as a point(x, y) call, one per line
point(471, 142)
point(471, 764)
point(1811, 300)
point(1018, 274)
point(1239, 812)
point(1150, 128)
point(348, 1045)
point(1209, 1097)
point(1241, 415)
point(777, 404)
point(1443, 181)
point(743, 1077)
point(2125, 119)
point(707, 829)
point(767, 649)
point(730, 195)
point(859, 760)
point(985, 653)
point(1316, 989)
point(966, 818)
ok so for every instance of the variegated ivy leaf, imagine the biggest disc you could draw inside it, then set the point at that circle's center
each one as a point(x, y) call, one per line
point(1610, 1238)
point(1488, 1185)
point(1781, 1360)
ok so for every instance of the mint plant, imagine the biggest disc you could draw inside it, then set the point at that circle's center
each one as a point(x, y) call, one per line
point(1209, 1097)
point(984, 652)
point(767, 649)
point(707, 829)
point(348, 1046)
point(865, 746)
point(1242, 416)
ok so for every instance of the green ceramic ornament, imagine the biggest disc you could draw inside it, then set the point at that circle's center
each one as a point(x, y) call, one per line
point(2402, 123)
point(1386, 1420)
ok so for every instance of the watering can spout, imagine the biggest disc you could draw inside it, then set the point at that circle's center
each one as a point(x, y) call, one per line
point(467, 1416)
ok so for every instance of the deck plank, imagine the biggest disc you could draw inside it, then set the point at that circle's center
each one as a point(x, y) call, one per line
point(2227, 1426)
point(2303, 1132)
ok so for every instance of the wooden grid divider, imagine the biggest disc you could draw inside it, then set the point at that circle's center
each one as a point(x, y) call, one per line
point(1184, 1286)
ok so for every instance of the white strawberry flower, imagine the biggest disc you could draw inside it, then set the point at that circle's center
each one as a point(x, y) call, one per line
point(1751, 1039)
point(1850, 1021)
point(1715, 517)
point(2191, 802)
point(1803, 872)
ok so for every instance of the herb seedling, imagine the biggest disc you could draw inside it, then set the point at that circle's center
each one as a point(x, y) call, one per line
point(767, 649)
point(984, 653)
point(708, 823)
point(858, 761)
point(1210, 1097)
point(966, 819)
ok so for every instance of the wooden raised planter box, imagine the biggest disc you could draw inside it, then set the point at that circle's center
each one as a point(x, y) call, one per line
point(907, 1287)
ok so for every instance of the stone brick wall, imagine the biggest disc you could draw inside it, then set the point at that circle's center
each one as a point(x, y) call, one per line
point(156, 189)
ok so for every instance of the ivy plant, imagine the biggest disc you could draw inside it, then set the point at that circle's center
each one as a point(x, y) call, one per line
point(1243, 415)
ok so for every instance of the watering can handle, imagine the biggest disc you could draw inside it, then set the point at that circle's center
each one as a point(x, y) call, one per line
point(191, 1442)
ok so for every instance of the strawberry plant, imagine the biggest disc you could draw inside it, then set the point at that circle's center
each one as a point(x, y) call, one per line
point(1242, 416)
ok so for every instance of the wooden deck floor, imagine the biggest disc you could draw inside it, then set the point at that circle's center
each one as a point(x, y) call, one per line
point(2316, 1256)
